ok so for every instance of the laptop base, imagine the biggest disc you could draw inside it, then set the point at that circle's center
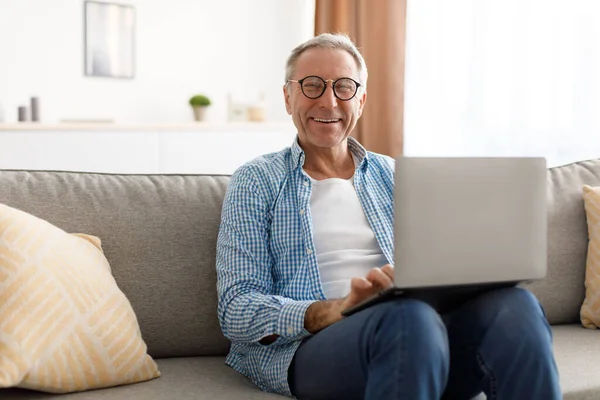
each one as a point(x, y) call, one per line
point(442, 299)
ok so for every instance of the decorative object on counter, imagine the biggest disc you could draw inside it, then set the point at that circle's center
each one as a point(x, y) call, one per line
point(242, 112)
point(109, 40)
point(257, 112)
point(22, 114)
point(238, 112)
point(35, 109)
point(199, 104)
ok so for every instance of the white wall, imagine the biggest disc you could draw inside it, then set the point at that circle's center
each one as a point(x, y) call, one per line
point(183, 47)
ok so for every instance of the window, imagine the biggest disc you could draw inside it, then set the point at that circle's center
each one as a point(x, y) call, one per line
point(503, 78)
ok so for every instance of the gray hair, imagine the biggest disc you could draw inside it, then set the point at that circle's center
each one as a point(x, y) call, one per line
point(339, 41)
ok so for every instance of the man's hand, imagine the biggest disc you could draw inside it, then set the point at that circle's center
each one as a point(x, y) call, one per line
point(361, 289)
point(321, 314)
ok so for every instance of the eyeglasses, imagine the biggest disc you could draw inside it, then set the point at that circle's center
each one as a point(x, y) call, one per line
point(313, 87)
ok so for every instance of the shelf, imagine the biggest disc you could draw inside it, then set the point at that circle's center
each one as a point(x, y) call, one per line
point(203, 148)
point(189, 127)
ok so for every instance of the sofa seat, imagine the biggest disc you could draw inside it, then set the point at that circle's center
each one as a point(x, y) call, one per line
point(577, 352)
point(182, 378)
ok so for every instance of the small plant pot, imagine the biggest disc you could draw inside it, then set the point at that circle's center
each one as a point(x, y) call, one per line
point(199, 112)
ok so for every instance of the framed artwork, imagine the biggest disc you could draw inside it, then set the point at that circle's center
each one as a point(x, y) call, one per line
point(109, 39)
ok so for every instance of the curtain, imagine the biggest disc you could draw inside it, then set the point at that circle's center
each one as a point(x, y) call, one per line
point(503, 78)
point(378, 28)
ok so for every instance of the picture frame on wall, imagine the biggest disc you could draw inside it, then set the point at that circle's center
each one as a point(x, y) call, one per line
point(109, 40)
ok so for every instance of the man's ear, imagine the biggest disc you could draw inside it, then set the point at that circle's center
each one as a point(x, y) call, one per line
point(363, 100)
point(286, 96)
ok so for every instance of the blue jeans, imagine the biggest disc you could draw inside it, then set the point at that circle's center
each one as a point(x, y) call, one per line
point(499, 343)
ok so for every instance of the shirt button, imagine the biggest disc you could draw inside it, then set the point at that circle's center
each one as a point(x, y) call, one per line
point(308, 251)
point(290, 329)
point(302, 212)
point(305, 183)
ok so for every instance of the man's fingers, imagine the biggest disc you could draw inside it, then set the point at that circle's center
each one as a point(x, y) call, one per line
point(388, 269)
point(360, 284)
point(379, 278)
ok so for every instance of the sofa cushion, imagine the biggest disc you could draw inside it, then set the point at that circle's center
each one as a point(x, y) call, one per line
point(194, 378)
point(590, 310)
point(64, 324)
point(159, 235)
point(562, 291)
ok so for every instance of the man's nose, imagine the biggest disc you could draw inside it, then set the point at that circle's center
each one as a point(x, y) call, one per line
point(328, 99)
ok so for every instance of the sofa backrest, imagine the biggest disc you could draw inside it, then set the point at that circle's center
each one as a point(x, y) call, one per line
point(563, 290)
point(159, 235)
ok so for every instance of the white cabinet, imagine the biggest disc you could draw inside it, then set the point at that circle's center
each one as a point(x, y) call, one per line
point(196, 148)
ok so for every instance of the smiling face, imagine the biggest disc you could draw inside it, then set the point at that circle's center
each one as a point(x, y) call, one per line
point(324, 122)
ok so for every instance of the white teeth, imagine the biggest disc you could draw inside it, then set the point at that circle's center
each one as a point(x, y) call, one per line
point(326, 120)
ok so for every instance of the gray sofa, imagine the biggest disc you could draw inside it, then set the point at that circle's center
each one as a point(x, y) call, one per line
point(159, 234)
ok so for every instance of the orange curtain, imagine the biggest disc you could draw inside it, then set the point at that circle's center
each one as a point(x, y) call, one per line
point(378, 27)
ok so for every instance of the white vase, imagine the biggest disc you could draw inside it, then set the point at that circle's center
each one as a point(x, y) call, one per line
point(199, 112)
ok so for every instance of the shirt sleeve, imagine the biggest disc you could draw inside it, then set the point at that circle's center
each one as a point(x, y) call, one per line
point(247, 309)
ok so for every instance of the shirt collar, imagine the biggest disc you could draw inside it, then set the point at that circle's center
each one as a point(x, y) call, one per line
point(358, 151)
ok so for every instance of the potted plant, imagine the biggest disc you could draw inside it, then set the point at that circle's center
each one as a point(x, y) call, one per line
point(199, 104)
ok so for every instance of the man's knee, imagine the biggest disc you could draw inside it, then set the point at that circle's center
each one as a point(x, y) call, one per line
point(414, 327)
point(511, 303)
point(519, 314)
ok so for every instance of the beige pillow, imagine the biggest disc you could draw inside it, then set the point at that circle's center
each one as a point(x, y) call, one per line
point(64, 324)
point(590, 310)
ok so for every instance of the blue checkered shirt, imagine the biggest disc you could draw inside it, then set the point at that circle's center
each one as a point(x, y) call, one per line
point(266, 264)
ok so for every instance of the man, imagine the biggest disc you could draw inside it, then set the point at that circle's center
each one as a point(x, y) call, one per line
point(308, 231)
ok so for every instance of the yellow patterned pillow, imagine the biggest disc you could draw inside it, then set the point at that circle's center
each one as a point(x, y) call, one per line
point(590, 310)
point(64, 324)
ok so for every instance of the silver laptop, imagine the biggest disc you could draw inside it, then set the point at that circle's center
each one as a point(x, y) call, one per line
point(465, 221)
point(464, 226)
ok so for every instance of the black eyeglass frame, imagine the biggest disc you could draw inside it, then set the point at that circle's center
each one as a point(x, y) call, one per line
point(333, 82)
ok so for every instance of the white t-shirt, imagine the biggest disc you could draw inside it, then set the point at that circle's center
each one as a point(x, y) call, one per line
point(345, 244)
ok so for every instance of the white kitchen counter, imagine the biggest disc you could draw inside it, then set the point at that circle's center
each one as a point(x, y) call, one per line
point(211, 148)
